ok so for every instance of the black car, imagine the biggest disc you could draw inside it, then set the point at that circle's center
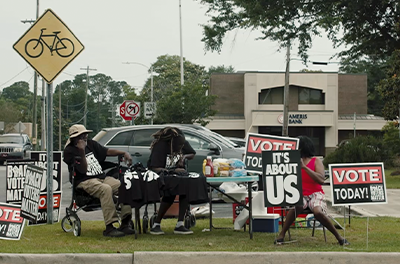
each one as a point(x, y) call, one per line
point(137, 139)
point(14, 146)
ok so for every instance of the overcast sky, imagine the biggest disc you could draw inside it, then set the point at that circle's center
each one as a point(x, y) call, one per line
point(139, 31)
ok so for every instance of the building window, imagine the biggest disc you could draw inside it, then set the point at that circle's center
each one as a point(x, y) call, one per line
point(271, 96)
point(310, 96)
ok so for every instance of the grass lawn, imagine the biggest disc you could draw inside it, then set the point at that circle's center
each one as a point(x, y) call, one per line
point(383, 236)
point(392, 182)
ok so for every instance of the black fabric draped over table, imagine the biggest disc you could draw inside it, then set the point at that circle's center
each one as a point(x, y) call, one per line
point(140, 186)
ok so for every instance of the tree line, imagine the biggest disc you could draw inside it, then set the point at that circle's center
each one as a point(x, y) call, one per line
point(176, 103)
point(368, 29)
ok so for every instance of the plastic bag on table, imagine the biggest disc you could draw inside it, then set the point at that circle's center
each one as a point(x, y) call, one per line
point(238, 172)
point(202, 211)
point(237, 191)
point(236, 164)
point(231, 187)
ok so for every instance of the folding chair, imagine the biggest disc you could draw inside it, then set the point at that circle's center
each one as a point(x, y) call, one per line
point(308, 211)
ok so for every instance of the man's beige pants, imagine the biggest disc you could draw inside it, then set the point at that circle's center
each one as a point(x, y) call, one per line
point(104, 190)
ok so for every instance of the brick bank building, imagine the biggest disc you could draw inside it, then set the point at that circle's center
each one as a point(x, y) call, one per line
point(327, 107)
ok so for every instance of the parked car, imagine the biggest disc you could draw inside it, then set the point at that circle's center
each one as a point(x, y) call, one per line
point(137, 139)
point(220, 138)
point(14, 146)
point(241, 142)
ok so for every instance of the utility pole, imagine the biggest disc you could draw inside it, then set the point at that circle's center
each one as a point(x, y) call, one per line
point(112, 110)
point(285, 131)
point(35, 79)
point(86, 92)
point(151, 84)
point(180, 28)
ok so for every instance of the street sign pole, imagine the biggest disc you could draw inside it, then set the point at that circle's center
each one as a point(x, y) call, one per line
point(49, 141)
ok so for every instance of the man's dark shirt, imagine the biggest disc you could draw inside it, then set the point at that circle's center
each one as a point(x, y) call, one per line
point(160, 151)
point(95, 155)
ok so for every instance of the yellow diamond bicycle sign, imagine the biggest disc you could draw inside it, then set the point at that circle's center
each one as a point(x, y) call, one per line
point(48, 46)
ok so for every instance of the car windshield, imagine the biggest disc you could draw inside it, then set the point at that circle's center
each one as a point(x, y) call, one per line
point(223, 140)
point(11, 139)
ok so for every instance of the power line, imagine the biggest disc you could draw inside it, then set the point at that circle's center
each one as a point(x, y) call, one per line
point(14, 77)
point(87, 87)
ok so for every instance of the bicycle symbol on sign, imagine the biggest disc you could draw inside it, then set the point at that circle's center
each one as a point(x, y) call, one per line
point(64, 46)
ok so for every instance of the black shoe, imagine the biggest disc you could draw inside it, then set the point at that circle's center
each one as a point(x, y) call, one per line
point(126, 229)
point(156, 231)
point(113, 233)
point(344, 242)
point(182, 230)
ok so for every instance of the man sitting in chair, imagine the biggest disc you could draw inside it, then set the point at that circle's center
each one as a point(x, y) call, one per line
point(91, 178)
point(312, 176)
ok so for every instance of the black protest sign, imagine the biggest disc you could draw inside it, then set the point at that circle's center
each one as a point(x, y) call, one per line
point(282, 178)
point(31, 194)
point(40, 159)
point(15, 179)
point(11, 222)
point(257, 143)
point(42, 213)
point(358, 183)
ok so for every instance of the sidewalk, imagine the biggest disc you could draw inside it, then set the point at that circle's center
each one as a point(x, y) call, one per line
point(371, 210)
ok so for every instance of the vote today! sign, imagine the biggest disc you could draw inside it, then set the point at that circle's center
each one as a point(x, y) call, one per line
point(357, 183)
point(257, 143)
point(11, 222)
point(282, 178)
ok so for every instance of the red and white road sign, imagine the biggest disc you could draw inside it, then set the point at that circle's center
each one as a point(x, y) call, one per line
point(132, 108)
point(129, 109)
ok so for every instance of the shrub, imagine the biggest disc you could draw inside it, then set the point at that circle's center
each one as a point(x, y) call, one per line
point(361, 149)
point(391, 138)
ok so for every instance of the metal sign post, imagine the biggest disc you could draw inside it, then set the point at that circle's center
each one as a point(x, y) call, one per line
point(49, 153)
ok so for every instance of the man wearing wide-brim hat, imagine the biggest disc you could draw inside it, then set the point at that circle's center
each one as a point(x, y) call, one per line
point(85, 156)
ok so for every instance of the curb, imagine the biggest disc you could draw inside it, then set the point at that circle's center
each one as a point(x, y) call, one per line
point(66, 258)
point(156, 257)
point(265, 257)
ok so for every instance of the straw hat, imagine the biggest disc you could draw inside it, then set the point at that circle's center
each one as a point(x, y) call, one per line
point(75, 131)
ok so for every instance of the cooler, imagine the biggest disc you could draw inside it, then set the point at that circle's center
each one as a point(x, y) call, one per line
point(266, 223)
point(310, 221)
